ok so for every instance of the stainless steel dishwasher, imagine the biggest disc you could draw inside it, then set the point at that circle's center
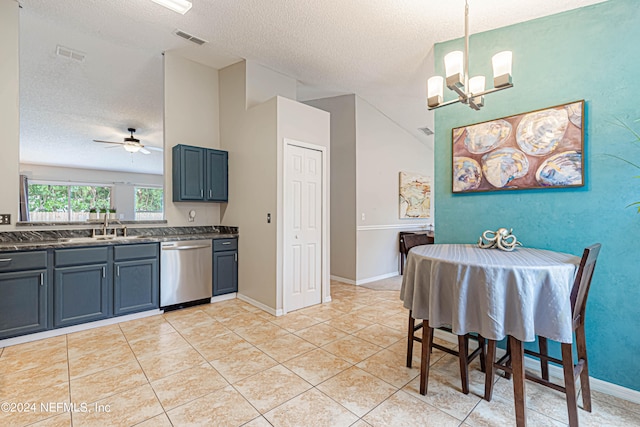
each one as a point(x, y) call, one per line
point(185, 272)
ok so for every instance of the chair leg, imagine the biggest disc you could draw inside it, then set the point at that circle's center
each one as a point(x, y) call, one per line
point(463, 356)
point(488, 376)
point(507, 375)
point(427, 340)
point(570, 384)
point(544, 363)
point(483, 353)
point(517, 366)
point(410, 334)
point(581, 347)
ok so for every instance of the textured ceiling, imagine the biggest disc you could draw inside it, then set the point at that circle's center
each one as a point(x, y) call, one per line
point(378, 49)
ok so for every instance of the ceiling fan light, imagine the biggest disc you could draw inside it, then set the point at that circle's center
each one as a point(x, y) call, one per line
point(180, 6)
point(132, 148)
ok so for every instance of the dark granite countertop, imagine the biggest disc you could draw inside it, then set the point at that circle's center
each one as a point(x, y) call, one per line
point(56, 239)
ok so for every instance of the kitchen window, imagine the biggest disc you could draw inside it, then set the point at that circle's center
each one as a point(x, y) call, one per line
point(53, 202)
point(149, 203)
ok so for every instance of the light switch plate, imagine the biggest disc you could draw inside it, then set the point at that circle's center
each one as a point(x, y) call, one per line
point(5, 219)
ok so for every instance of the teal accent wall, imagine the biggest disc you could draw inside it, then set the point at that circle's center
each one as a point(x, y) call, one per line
point(590, 53)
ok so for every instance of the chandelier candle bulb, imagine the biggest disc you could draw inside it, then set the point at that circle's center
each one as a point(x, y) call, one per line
point(502, 68)
point(476, 85)
point(454, 68)
point(435, 91)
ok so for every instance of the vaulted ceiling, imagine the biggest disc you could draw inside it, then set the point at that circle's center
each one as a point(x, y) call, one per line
point(378, 49)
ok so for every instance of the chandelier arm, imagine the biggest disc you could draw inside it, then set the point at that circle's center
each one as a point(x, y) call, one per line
point(460, 99)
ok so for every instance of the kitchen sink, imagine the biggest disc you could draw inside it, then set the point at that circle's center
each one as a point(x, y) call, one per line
point(98, 239)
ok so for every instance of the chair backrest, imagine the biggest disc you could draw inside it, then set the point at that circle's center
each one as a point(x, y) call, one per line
point(582, 283)
point(411, 240)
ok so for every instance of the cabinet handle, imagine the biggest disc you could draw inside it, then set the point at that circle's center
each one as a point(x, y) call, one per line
point(202, 193)
point(118, 271)
point(236, 256)
point(209, 193)
point(5, 260)
point(41, 279)
point(226, 243)
point(104, 272)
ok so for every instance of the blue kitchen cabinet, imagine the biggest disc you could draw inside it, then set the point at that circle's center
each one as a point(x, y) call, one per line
point(82, 289)
point(23, 293)
point(199, 174)
point(136, 278)
point(225, 266)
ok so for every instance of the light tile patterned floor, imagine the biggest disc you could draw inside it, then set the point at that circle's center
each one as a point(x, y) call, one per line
point(229, 364)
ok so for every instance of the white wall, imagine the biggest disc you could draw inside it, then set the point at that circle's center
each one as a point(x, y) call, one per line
point(249, 136)
point(301, 123)
point(263, 83)
point(383, 150)
point(191, 117)
point(343, 183)
point(254, 138)
point(9, 111)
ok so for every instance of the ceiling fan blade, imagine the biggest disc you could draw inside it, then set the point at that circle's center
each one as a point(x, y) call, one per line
point(144, 151)
point(152, 148)
point(108, 142)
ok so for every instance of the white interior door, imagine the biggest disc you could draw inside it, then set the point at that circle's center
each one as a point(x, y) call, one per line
point(303, 235)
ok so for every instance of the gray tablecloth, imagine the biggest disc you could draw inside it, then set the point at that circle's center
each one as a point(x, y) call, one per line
point(523, 293)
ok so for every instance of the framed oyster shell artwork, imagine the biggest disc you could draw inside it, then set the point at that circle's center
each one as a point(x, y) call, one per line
point(539, 149)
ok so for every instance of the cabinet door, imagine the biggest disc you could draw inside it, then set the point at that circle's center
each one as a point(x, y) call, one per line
point(136, 286)
point(225, 272)
point(217, 182)
point(23, 302)
point(81, 294)
point(188, 173)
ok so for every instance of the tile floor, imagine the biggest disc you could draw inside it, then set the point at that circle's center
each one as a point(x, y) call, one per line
point(230, 364)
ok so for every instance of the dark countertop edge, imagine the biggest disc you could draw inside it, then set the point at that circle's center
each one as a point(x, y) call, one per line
point(54, 244)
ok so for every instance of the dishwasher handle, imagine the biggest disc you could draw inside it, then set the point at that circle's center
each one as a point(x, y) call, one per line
point(184, 248)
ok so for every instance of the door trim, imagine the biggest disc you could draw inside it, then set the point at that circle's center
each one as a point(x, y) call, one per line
point(324, 263)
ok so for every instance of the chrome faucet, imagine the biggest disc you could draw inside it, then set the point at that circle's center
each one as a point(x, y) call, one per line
point(105, 225)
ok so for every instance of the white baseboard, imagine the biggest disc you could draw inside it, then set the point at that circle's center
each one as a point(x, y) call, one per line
point(224, 297)
point(367, 280)
point(260, 305)
point(343, 280)
point(327, 298)
point(556, 372)
point(76, 328)
point(376, 278)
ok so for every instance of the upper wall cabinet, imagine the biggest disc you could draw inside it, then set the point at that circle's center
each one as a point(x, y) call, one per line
point(199, 174)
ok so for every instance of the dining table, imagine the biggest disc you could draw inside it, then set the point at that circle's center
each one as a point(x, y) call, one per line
point(518, 294)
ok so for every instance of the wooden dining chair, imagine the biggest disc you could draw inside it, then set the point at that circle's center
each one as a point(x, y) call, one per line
point(465, 358)
point(579, 293)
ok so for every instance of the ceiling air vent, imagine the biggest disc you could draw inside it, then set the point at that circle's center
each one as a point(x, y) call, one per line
point(189, 37)
point(65, 52)
point(426, 131)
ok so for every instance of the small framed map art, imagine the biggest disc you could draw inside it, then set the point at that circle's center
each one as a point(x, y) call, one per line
point(415, 195)
point(540, 149)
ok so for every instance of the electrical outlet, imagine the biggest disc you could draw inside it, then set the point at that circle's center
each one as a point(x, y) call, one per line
point(5, 219)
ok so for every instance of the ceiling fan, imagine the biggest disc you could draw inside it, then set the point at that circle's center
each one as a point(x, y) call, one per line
point(131, 144)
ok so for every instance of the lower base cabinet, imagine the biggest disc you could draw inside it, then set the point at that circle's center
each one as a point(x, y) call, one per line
point(225, 266)
point(23, 302)
point(136, 283)
point(80, 294)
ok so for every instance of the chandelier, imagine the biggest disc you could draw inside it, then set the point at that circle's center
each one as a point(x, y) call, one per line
point(470, 91)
